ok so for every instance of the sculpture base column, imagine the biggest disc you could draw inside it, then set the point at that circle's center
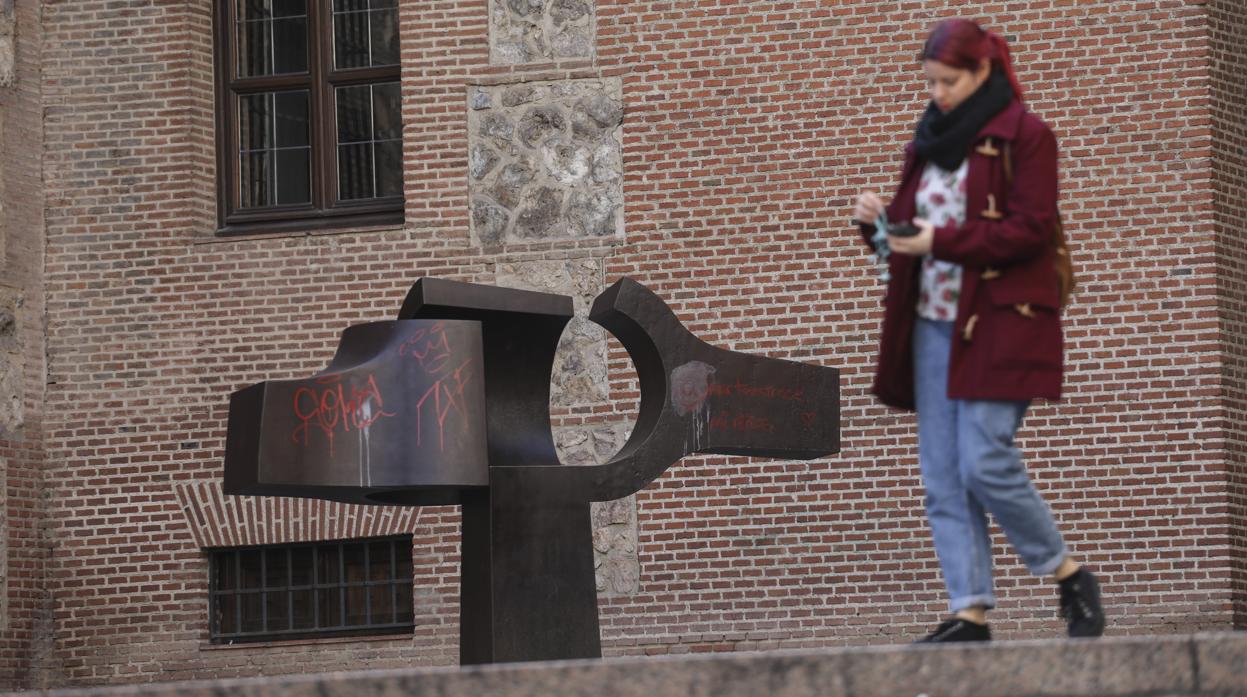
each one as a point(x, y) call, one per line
point(528, 591)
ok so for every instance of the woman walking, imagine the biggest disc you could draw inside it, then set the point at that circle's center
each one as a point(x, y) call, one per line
point(971, 331)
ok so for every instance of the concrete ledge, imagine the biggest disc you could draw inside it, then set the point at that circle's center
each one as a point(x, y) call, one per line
point(1180, 666)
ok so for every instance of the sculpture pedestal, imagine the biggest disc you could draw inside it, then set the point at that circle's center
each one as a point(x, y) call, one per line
point(527, 583)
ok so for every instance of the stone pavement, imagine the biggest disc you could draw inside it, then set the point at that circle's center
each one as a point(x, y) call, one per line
point(1176, 666)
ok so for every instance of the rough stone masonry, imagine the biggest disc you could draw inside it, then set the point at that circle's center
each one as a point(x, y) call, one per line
point(544, 161)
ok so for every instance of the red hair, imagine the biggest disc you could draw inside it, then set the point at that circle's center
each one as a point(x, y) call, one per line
point(961, 43)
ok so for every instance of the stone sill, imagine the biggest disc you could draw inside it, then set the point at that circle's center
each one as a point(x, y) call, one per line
point(285, 643)
point(285, 234)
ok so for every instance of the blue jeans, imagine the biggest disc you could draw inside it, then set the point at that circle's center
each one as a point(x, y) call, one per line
point(970, 467)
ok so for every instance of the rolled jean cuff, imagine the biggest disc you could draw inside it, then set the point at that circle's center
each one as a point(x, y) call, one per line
point(1049, 567)
point(986, 602)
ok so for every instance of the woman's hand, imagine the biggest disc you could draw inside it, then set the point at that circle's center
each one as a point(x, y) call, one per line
point(917, 245)
point(868, 208)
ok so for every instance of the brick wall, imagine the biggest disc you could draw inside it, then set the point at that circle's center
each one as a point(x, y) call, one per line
point(749, 128)
point(25, 610)
point(1228, 43)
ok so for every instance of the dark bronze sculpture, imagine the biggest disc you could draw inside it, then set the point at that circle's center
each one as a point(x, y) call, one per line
point(450, 404)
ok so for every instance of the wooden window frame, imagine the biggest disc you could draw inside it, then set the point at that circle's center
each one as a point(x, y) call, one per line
point(322, 627)
point(321, 80)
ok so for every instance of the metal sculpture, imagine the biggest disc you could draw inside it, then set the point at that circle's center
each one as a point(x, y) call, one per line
point(450, 404)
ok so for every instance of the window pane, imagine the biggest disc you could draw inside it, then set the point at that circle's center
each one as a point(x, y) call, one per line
point(252, 613)
point(350, 40)
point(251, 10)
point(403, 602)
point(330, 607)
point(264, 9)
point(274, 149)
point(327, 568)
point(289, 45)
point(227, 614)
point(382, 604)
point(301, 566)
point(290, 119)
point(369, 141)
point(364, 36)
point(353, 563)
point(276, 572)
point(350, 5)
point(379, 561)
point(356, 611)
point(402, 553)
point(389, 156)
point(272, 37)
point(293, 176)
point(387, 116)
point(304, 610)
point(254, 56)
point(278, 603)
point(255, 176)
point(250, 560)
point(354, 114)
point(384, 37)
point(288, 8)
point(355, 171)
point(223, 565)
point(255, 130)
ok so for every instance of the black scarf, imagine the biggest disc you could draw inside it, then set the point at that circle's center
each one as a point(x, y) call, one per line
point(945, 139)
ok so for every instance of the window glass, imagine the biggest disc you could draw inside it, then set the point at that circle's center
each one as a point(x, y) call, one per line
point(301, 569)
point(277, 609)
point(227, 614)
point(329, 604)
point(327, 570)
point(379, 563)
point(272, 37)
point(276, 569)
point(274, 149)
point(356, 605)
point(403, 603)
point(353, 563)
point(402, 557)
point(381, 603)
point(304, 612)
point(252, 613)
point(226, 571)
point(365, 33)
point(369, 141)
point(249, 561)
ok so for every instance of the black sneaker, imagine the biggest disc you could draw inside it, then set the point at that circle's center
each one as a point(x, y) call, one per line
point(1080, 604)
point(957, 629)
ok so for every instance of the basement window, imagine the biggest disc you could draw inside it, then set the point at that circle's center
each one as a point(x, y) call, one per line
point(309, 124)
point(311, 590)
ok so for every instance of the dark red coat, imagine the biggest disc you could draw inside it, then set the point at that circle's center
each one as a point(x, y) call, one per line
point(1007, 338)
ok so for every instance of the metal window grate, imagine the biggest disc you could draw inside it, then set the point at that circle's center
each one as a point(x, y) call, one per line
point(311, 590)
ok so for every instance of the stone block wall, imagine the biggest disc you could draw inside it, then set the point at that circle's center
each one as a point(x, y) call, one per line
point(8, 46)
point(540, 31)
point(710, 150)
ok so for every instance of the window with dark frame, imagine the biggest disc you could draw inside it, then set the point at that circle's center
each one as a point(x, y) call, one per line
point(311, 590)
point(309, 125)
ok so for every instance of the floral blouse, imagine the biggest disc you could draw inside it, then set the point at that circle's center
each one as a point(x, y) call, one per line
point(941, 200)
